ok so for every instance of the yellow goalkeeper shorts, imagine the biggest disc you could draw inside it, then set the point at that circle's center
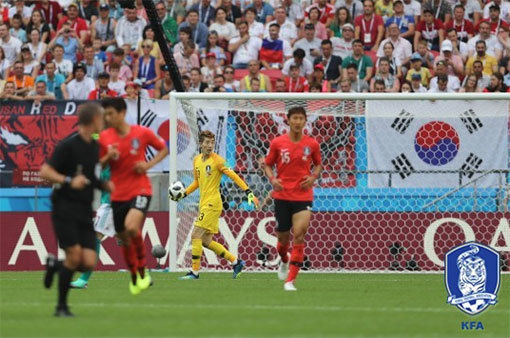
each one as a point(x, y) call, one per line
point(208, 219)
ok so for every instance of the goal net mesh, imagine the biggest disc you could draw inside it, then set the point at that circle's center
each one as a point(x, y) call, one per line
point(402, 183)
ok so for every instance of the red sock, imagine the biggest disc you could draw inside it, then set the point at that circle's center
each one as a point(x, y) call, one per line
point(283, 250)
point(296, 260)
point(131, 261)
point(140, 253)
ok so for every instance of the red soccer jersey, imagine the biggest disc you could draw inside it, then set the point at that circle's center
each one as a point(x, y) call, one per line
point(293, 162)
point(128, 183)
point(465, 28)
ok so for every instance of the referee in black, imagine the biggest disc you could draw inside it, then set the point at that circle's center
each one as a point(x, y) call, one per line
point(74, 170)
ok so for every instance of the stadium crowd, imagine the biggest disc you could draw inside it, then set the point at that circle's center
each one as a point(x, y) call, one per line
point(92, 49)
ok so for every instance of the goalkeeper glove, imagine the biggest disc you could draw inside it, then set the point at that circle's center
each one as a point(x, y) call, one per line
point(251, 198)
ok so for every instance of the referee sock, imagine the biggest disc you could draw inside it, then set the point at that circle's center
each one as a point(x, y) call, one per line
point(296, 260)
point(86, 275)
point(283, 251)
point(220, 250)
point(196, 254)
point(64, 279)
point(139, 245)
point(131, 261)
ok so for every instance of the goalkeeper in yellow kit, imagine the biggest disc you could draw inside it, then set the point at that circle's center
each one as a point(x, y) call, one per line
point(208, 167)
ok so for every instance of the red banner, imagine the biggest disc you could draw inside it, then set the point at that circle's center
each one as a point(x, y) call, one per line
point(351, 241)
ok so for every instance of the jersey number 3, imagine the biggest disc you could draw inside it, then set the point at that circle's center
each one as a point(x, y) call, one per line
point(285, 156)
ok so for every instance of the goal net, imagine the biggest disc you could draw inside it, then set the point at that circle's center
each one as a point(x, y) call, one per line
point(405, 177)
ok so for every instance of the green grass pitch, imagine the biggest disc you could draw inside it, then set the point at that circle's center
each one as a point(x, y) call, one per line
point(255, 305)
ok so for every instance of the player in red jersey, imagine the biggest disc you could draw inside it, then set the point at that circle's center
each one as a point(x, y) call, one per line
point(293, 154)
point(123, 147)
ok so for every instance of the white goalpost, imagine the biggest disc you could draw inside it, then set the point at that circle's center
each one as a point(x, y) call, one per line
point(406, 176)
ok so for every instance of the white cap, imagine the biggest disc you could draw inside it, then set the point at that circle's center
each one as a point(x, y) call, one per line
point(447, 46)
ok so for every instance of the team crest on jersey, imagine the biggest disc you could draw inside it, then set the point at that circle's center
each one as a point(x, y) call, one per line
point(472, 277)
point(306, 153)
point(208, 170)
point(135, 145)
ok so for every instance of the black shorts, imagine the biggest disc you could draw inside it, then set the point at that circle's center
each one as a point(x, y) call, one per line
point(121, 209)
point(283, 211)
point(73, 224)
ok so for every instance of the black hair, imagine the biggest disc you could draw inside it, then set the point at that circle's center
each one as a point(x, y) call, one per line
point(116, 103)
point(87, 111)
point(296, 110)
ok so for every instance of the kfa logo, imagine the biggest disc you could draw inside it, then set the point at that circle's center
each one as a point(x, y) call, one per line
point(472, 277)
point(135, 145)
point(306, 153)
point(208, 170)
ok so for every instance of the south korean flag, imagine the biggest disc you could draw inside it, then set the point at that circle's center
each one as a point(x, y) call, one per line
point(442, 144)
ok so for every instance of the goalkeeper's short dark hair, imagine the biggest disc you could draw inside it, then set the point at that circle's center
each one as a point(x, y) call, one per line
point(296, 110)
point(205, 134)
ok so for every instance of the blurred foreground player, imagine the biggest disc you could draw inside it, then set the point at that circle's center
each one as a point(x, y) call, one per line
point(208, 168)
point(72, 168)
point(293, 154)
point(123, 147)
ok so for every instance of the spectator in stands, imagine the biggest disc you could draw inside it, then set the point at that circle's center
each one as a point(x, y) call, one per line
point(40, 93)
point(313, 18)
point(319, 79)
point(212, 47)
point(196, 83)
point(19, 9)
point(140, 10)
point(490, 64)
point(205, 11)
point(87, 10)
point(345, 86)
point(416, 68)
point(384, 8)
point(342, 47)
point(77, 24)
point(188, 59)
point(168, 22)
point(132, 91)
point(326, 12)
point(429, 29)
point(416, 84)
point(52, 80)
point(426, 55)
point(369, 27)
point(462, 26)
point(199, 31)
point(254, 72)
point(63, 66)
point(379, 86)
point(287, 29)
point(294, 11)
point(17, 30)
point(441, 70)
point(31, 66)
point(165, 85)
point(494, 48)
point(298, 59)
point(51, 11)
point(148, 34)
point(274, 51)
point(125, 73)
point(342, 17)
point(24, 83)
point(459, 48)
point(254, 86)
point(255, 28)
point(395, 65)
point(504, 40)
point(233, 12)
point(245, 47)
point(504, 8)
point(184, 37)
point(129, 29)
point(10, 45)
point(402, 49)
point(37, 22)
point(406, 87)
point(483, 80)
point(453, 62)
point(506, 77)
point(263, 11)
point(230, 83)
point(405, 23)
point(494, 19)
point(358, 84)
point(363, 63)
point(332, 64)
point(175, 10)
point(210, 69)
point(280, 86)
point(115, 83)
point(496, 84)
point(225, 29)
point(442, 85)
point(296, 83)
point(441, 9)
point(391, 82)
point(94, 66)
point(218, 84)
point(472, 10)
point(102, 91)
point(147, 68)
point(116, 11)
point(315, 88)
point(36, 47)
point(98, 52)
point(4, 65)
point(67, 38)
point(80, 87)
point(9, 92)
point(309, 43)
point(355, 7)
point(104, 28)
point(470, 85)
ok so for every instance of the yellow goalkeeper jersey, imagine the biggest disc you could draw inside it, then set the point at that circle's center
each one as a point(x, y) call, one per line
point(207, 177)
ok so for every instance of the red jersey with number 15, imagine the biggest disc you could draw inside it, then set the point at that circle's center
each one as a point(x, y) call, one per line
point(128, 183)
point(293, 162)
